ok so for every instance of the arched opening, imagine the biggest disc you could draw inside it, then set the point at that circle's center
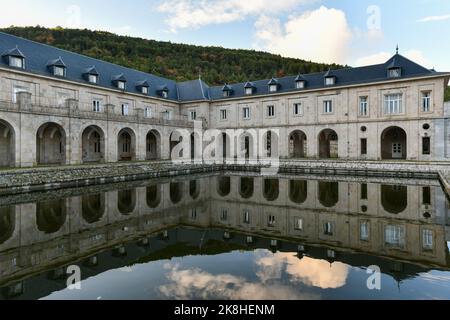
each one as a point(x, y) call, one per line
point(126, 145)
point(126, 201)
point(153, 145)
point(153, 195)
point(7, 223)
point(247, 188)
point(223, 186)
point(93, 144)
point(7, 145)
point(328, 194)
point(51, 215)
point(51, 144)
point(328, 144)
point(176, 192)
point(173, 144)
point(394, 199)
point(298, 191)
point(93, 207)
point(194, 189)
point(394, 143)
point(297, 145)
point(271, 189)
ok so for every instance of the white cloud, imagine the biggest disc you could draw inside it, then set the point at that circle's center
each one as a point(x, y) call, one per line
point(195, 14)
point(435, 18)
point(322, 35)
point(381, 57)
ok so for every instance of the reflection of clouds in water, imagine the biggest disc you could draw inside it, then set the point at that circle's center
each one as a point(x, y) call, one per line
point(195, 283)
point(198, 284)
point(312, 272)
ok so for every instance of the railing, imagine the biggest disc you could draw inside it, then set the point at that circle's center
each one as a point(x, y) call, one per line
point(72, 108)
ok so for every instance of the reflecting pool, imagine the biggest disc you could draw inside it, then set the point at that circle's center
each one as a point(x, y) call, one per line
point(229, 237)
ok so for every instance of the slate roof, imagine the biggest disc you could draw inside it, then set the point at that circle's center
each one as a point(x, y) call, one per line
point(38, 56)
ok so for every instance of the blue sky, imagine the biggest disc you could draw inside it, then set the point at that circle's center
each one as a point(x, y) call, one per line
point(354, 32)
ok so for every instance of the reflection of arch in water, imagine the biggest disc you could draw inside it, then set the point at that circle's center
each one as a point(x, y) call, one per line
point(51, 215)
point(194, 189)
point(176, 192)
point(93, 207)
point(247, 187)
point(126, 201)
point(328, 194)
point(7, 223)
point(298, 191)
point(223, 186)
point(394, 199)
point(271, 189)
point(153, 195)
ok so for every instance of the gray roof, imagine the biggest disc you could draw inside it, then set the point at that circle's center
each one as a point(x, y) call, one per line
point(38, 56)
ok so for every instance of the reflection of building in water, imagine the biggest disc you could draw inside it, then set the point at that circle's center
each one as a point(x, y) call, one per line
point(401, 222)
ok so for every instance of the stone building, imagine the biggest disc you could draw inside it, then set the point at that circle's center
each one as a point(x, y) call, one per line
point(58, 107)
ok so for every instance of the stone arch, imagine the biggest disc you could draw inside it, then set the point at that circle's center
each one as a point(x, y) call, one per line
point(194, 189)
point(297, 145)
point(328, 194)
point(51, 215)
point(271, 189)
point(153, 196)
point(176, 192)
point(126, 145)
point(7, 145)
point(328, 144)
point(93, 207)
point(93, 144)
point(298, 191)
point(7, 223)
point(126, 201)
point(394, 143)
point(223, 186)
point(51, 144)
point(394, 199)
point(153, 145)
point(247, 187)
point(173, 144)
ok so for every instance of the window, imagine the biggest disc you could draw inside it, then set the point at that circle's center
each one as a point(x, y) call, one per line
point(96, 105)
point(328, 106)
point(224, 215)
point(97, 143)
point(299, 224)
point(427, 239)
point(271, 111)
point(329, 81)
point(328, 229)
point(395, 73)
point(167, 115)
point(298, 110)
point(426, 101)
point(61, 98)
point(121, 85)
point(148, 112)
point(426, 196)
point(125, 109)
point(247, 217)
point(165, 94)
point(363, 106)
point(363, 147)
point(273, 88)
point(395, 235)
point(59, 71)
point(226, 94)
point(223, 114)
point(248, 91)
point(193, 213)
point(300, 85)
point(393, 103)
point(193, 115)
point(246, 111)
point(364, 191)
point(92, 78)
point(17, 62)
point(271, 222)
point(144, 90)
point(364, 231)
point(426, 146)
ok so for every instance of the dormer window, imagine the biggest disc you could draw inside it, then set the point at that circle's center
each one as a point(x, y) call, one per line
point(91, 75)
point(120, 82)
point(395, 73)
point(57, 67)
point(394, 70)
point(249, 88)
point(121, 85)
point(248, 91)
point(143, 87)
point(93, 78)
point(329, 81)
point(227, 91)
point(15, 58)
point(300, 85)
point(165, 94)
point(273, 85)
point(59, 71)
point(163, 91)
point(144, 90)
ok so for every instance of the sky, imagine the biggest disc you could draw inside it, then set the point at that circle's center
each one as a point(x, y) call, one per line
point(352, 32)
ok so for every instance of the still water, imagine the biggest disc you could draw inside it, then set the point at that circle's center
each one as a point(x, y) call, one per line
point(228, 237)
